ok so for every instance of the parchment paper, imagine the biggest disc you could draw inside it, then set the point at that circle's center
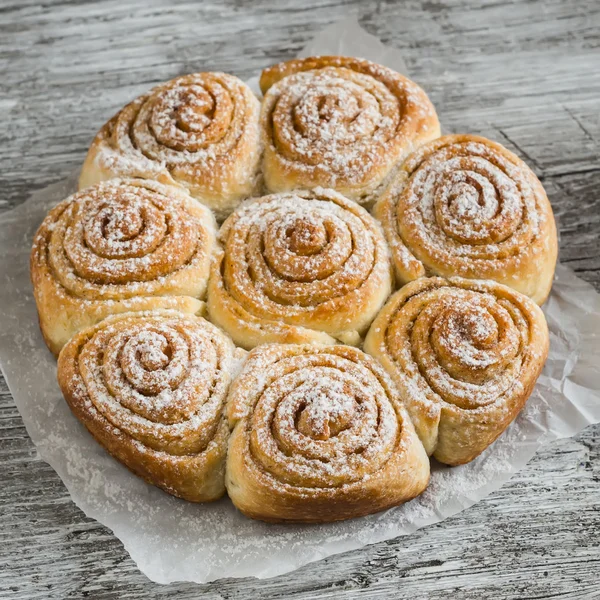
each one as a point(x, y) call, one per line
point(172, 540)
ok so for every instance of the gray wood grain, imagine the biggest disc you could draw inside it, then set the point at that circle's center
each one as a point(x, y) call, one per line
point(523, 73)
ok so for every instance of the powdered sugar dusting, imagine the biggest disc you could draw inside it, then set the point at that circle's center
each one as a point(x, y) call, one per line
point(458, 348)
point(316, 418)
point(465, 206)
point(343, 124)
point(306, 259)
point(199, 130)
point(158, 377)
point(124, 239)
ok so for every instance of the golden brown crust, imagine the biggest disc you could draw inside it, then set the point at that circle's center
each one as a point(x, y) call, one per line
point(119, 246)
point(151, 388)
point(306, 266)
point(341, 123)
point(319, 435)
point(464, 205)
point(465, 355)
point(199, 131)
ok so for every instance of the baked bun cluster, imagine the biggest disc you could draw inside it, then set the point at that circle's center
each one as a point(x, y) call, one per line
point(370, 299)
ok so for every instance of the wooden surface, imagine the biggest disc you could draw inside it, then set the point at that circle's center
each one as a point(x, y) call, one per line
point(526, 73)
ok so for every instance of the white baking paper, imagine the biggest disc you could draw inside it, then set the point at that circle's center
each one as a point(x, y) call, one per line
point(172, 540)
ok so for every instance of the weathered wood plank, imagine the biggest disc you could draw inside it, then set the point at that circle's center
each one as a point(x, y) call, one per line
point(524, 73)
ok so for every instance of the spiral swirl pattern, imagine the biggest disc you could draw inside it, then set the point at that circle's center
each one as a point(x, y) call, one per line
point(114, 246)
point(463, 205)
point(299, 267)
point(151, 388)
point(465, 355)
point(340, 123)
point(200, 130)
point(315, 426)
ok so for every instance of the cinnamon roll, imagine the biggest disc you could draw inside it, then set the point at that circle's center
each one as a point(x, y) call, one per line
point(122, 245)
point(463, 205)
point(319, 434)
point(465, 355)
point(306, 266)
point(341, 123)
point(200, 131)
point(151, 387)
